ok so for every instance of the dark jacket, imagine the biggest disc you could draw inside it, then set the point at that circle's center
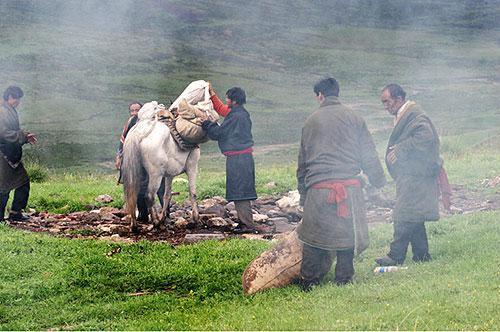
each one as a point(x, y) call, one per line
point(235, 134)
point(335, 144)
point(128, 125)
point(12, 138)
point(416, 144)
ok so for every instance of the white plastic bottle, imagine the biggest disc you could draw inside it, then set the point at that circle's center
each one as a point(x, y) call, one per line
point(385, 269)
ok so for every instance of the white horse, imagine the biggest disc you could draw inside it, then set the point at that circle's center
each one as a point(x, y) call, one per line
point(150, 146)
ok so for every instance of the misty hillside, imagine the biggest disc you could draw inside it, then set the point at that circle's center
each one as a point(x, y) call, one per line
point(81, 62)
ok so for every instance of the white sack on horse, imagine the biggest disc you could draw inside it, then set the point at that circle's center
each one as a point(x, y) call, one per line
point(197, 94)
point(188, 123)
point(193, 102)
point(147, 119)
point(149, 110)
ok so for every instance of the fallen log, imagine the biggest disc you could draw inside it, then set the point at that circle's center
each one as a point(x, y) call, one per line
point(276, 267)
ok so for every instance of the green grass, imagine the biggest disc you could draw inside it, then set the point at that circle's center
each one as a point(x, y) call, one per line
point(55, 283)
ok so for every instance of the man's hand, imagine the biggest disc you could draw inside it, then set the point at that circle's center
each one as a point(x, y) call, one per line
point(211, 90)
point(391, 155)
point(31, 138)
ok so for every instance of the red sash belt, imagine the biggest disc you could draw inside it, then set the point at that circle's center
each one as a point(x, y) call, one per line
point(338, 193)
point(444, 188)
point(235, 153)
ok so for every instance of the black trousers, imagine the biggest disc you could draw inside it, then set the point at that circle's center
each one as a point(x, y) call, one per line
point(20, 201)
point(316, 263)
point(413, 233)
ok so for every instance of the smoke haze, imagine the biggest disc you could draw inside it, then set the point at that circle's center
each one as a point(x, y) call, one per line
point(81, 62)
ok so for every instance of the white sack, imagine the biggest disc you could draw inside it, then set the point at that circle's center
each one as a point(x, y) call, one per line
point(196, 94)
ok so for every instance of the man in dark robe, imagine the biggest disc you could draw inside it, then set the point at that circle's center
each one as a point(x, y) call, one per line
point(234, 137)
point(413, 161)
point(336, 147)
point(13, 175)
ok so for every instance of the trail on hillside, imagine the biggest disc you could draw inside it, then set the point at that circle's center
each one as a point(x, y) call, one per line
point(218, 218)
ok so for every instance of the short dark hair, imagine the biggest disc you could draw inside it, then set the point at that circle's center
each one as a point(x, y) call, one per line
point(395, 91)
point(327, 86)
point(14, 92)
point(133, 103)
point(237, 95)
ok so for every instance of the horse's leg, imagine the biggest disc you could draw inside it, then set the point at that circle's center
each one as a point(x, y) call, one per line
point(192, 171)
point(167, 196)
point(153, 185)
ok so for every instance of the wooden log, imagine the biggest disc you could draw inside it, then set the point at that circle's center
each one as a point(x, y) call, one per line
point(276, 267)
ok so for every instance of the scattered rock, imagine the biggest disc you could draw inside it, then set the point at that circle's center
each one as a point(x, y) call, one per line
point(216, 209)
point(217, 216)
point(193, 238)
point(491, 183)
point(213, 201)
point(181, 223)
point(104, 199)
point(291, 199)
point(260, 218)
point(219, 222)
point(177, 214)
point(230, 206)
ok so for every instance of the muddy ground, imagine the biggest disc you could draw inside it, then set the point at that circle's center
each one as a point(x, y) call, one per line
point(218, 219)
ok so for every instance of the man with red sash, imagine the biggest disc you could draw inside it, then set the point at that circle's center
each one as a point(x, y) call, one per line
point(234, 137)
point(336, 147)
point(413, 161)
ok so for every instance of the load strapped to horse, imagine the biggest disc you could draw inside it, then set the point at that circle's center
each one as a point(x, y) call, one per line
point(164, 144)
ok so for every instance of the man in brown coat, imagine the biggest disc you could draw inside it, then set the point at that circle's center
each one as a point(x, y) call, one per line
point(412, 158)
point(336, 147)
point(12, 172)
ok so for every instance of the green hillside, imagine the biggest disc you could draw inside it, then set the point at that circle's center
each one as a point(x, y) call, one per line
point(81, 62)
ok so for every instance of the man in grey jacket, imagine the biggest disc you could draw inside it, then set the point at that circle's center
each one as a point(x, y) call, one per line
point(336, 147)
point(412, 158)
point(13, 175)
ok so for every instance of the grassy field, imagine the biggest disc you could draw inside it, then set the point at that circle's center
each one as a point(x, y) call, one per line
point(54, 283)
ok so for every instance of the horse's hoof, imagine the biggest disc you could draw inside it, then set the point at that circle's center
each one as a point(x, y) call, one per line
point(135, 229)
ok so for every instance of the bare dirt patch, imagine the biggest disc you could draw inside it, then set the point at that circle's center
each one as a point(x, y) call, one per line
point(218, 219)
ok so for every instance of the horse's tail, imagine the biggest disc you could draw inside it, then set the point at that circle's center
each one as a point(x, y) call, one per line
point(131, 172)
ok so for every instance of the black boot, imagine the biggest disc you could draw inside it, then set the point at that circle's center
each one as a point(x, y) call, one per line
point(308, 285)
point(18, 216)
point(387, 261)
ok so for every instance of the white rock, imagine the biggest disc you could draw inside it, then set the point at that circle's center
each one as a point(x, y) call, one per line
point(260, 217)
point(104, 198)
point(181, 223)
point(292, 199)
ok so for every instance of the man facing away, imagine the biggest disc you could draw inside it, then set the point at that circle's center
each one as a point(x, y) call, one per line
point(413, 161)
point(336, 147)
point(13, 175)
